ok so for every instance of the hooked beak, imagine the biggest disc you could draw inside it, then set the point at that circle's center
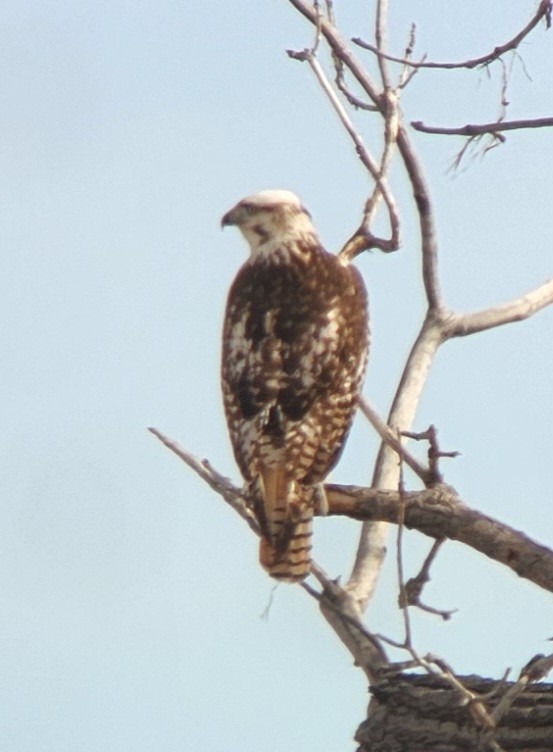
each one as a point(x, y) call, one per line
point(228, 219)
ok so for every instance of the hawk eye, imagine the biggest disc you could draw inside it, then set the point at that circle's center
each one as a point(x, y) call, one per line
point(249, 209)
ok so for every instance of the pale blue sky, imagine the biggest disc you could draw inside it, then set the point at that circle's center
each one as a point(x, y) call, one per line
point(130, 594)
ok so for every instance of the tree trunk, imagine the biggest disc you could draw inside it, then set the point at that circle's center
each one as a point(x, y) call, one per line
point(411, 713)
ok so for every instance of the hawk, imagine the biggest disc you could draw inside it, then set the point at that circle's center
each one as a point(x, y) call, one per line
point(295, 342)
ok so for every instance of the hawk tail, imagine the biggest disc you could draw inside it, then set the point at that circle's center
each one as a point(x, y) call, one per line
point(292, 563)
point(286, 521)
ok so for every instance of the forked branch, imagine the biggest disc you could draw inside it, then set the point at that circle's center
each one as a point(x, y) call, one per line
point(440, 324)
point(363, 239)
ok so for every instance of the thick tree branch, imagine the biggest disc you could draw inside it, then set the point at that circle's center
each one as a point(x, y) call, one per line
point(338, 610)
point(543, 11)
point(439, 513)
point(411, 712)
point(372, 543)
point(462, 324)
point(483, 128)
point(334, 602)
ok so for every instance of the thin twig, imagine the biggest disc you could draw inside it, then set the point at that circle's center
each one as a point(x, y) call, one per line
point(434, 451)
point(339, 70)
point(403, 601)
point(340, 81)
point(480, 129)
point(368, 240)
point(475, 703)
point(407, 73)
point(392, 439)
point(221, 485)
point(543, 11)
point(414, 586)
point(535, 670)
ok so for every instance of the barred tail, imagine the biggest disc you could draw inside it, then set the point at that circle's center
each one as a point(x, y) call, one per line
point(285, 550)
point(292, 563)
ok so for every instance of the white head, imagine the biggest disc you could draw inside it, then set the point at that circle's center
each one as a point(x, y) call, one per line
point(267, 216)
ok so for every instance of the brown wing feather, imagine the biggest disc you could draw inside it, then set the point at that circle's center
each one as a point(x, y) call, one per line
point(294, 350)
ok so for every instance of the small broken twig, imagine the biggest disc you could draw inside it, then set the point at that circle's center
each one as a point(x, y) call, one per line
point(434, 451)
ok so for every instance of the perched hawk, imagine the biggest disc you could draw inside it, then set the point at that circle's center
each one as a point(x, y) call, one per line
point(295, 344)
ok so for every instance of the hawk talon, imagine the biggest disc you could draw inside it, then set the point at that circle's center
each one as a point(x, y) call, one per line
point(320, 500)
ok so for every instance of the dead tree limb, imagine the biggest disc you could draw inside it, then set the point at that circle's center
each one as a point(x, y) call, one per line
point(543, 12)
point(483, 128)
point(439, 513)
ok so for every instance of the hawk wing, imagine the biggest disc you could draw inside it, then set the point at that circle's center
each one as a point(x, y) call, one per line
point(294, 352)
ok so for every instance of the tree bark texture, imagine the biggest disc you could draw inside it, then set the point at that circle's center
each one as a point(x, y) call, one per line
point(440, 513)
point(413, 713)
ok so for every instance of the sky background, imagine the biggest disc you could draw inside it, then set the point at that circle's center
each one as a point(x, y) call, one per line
point(131, 595)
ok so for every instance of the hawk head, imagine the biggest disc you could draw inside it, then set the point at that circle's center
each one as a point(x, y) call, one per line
point(267, 216)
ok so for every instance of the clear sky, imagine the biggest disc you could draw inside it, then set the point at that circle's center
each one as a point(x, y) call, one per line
point(131, 595)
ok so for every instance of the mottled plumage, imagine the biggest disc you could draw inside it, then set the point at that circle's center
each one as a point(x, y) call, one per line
point(294, 350)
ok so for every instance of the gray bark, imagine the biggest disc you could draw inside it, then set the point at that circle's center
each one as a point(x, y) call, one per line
point(412, 713)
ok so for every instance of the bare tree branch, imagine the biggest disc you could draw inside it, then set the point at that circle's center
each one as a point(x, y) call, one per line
point(434, 452)
point(339, 47)
point(535, 670)
point(413, 588)
point(543, 11)
point(221, 485)
point(407, 73)
point(339, 70)
point(363, 239)
point(427, 223)
point(334, 602)
point(462, 324)
point(479, 130)
point(439, 513)
point(388, 436)
point(372, 543)
point(368, 240)
point(337, 609)
point(381, 37)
